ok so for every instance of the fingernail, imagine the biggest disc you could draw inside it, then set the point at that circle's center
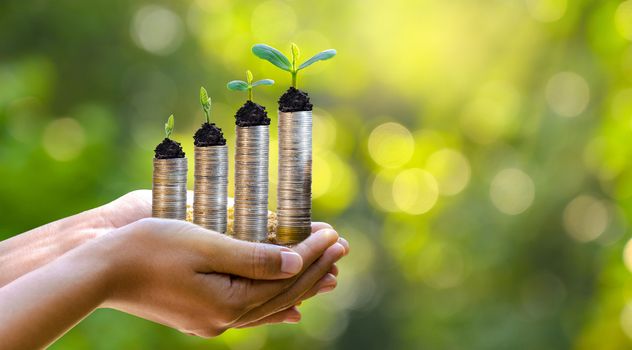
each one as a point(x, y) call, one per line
point(328, 232)
point(326, 289)
point(340, 248)
point(291, 262)
point(345, 244)
point(292, 319)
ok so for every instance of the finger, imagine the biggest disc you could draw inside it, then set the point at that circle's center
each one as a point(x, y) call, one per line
point(317, 226)
point(325, 285)
point(259, 261)
point(302, 285)
point(291, 315)
point(334, 270)
point(315, 245)
point(259, 292)
point(345, 244)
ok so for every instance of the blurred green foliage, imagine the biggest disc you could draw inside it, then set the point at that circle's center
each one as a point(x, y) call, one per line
point(475, 153)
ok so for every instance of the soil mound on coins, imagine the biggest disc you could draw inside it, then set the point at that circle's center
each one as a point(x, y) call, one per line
point(168, 149)
point(209, 135)
point(251, 114)
point(294, 100)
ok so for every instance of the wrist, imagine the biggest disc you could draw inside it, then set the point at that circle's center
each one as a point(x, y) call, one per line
point(103, 255)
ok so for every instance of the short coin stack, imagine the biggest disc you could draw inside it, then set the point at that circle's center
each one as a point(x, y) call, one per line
point(169, 188)
point(251, 183)
point(210, 187)
point(294, 208)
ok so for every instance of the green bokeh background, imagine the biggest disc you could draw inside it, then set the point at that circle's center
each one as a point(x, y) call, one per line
point(476, 154)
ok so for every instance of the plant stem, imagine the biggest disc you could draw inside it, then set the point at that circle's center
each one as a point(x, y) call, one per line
point(250, 94)
point(294, 79)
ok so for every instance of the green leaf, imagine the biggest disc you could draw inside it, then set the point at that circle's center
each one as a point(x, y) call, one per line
point(325, 55)
point(203, 96)
point(272, 55)
point(237, 85)
point(263, 82)
point(169, 126)
point(296, 53)
point(206, 103)
point(249, 77)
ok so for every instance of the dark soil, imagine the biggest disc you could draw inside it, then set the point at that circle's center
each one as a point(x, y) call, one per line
point(168, 149)
point(209, 135)
point(251, 114)
point(294, 100)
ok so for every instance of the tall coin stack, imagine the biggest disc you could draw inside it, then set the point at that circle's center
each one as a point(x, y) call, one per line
point(169, 188)
point(294, 196)
point(210, 187)
point(251, 183)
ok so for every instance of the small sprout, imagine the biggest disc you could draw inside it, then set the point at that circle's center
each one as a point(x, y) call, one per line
point(169, 126)
point(205, 101)
point(240, 85)
point(278, 59)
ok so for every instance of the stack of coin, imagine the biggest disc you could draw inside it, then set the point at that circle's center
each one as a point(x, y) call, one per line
point(294, 192)
point(169, 189)
point(251, 183)
point(210, 187)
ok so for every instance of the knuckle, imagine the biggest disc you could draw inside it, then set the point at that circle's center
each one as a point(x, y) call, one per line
point(145, 223)
point(209, 332)
point(261, 264)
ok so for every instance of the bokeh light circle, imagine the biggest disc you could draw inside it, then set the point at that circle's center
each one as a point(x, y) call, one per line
point(157, 29)
point(567, 94)
point(64, 139)
point(391, 145)
point(512, 191)
point(623, 19)
point(585, 218)
point(381, 191)
point(546, 10)
point(627, 255)
point(451, 170)
point(415, 191)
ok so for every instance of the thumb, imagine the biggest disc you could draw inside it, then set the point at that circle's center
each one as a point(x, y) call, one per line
point(260, 261)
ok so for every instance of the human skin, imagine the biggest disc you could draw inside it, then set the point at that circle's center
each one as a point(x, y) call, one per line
point(167, 271)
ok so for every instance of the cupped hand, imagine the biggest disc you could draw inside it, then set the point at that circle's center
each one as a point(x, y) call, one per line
point(201, 282)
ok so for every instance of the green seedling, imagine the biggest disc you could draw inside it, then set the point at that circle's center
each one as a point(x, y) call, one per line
point(205, 101)
point(169, 126)
point(278, 59)
point(240, 85)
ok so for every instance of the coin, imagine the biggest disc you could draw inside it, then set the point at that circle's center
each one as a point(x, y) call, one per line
point(251, 183)
point(169, 188)
point(294, 191)
point(210, 187)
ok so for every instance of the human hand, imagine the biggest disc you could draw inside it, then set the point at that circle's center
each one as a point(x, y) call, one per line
point(201, 282)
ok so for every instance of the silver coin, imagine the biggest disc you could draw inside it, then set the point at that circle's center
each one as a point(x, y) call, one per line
point(251, 183)
point(294, 197)
point(210, 187)
point(169, 188)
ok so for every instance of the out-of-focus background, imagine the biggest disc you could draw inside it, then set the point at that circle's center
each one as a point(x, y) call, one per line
point(476, 154)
